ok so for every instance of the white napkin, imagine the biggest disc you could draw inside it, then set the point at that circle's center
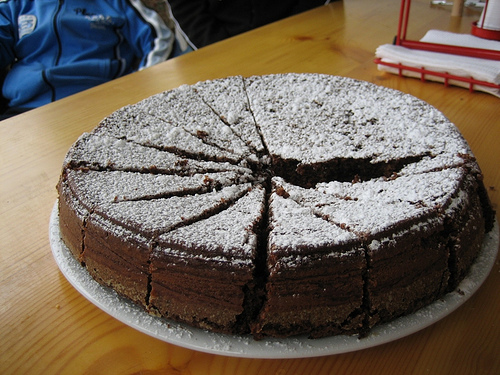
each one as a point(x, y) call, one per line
point(463, 66)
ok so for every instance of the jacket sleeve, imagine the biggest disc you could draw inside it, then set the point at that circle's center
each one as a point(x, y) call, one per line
point(197, 22)
point(7, 37)
point(148, 34)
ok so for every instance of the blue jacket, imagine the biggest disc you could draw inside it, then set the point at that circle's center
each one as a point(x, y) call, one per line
point(59, 47)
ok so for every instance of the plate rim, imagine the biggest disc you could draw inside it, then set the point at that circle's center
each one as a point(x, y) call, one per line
point(201, 340)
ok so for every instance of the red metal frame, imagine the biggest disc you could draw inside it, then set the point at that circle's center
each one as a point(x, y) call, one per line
point(401, 40)
point(480, 31)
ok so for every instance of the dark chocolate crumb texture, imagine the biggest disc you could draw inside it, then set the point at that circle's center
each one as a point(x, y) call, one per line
point(276, 205)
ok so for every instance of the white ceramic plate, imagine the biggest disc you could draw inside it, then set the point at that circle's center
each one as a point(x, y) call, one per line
point(245, 346)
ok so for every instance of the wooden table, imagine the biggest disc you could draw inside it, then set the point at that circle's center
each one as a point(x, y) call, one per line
point(47, 327)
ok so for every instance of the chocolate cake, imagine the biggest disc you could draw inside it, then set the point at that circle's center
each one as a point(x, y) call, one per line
point(276, 205)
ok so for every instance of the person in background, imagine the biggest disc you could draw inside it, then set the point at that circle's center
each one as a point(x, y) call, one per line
point(202, 22)
point(52, 49)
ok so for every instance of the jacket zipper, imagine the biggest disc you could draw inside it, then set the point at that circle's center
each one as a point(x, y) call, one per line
point(59, 49)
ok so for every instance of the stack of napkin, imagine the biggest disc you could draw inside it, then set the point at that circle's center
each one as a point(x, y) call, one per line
point(463, 66)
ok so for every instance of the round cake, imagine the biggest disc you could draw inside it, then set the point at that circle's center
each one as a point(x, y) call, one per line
point(275, 205)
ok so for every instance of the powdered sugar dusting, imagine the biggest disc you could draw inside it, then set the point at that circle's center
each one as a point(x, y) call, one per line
point(296, 229)
point(132, 123)
point(163, 214)
point(183, 108)
point(373, 205)
point(101, 151)
point(324, 117)
point(228, 99)
point(230, 233)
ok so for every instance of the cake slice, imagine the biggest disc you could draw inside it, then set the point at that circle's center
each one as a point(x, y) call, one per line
point(156, 216)
point(315, 274)
point(333, 133)
point(105, 152)
point(72, 217)
point(452, 198)
point(227, 97)
point(98, 187)
point(134, 123)
point(467, 217)
point(416, 212)
point(184, 109)
point(119, 236)
point(204, 273)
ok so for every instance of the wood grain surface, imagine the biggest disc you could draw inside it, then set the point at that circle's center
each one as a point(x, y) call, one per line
point(47, 327)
